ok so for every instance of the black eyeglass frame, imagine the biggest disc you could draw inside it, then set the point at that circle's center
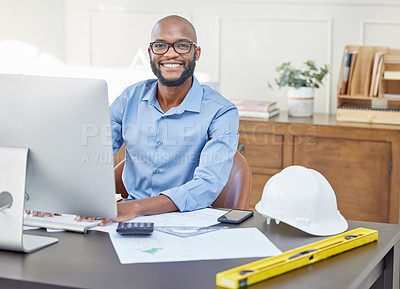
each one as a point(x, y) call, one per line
point(191, 43)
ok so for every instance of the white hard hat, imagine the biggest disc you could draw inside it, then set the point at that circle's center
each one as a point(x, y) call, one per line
point(304, 199)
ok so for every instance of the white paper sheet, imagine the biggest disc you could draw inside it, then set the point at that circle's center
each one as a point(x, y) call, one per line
point(199, 218)
point(221, 244)
point(28, 228)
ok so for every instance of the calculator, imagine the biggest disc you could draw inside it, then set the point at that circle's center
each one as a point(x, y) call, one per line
point(135, 228)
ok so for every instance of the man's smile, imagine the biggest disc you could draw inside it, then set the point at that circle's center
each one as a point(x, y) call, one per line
point(170, 65)
point(173, 71)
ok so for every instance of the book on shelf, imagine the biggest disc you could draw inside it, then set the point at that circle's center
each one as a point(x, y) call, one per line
point(351, 71)
point(378, 56)
point(391, 95)
point(346, 73)
point(259, 114)
point(392, 59)
point(253, 105)
point(388, 74)
point(378, 75)
point(342, 65)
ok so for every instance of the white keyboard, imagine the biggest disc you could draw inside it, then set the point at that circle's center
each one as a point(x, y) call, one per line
point(66, 222)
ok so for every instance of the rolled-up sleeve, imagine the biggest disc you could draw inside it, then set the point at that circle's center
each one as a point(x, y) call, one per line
point(215, 164)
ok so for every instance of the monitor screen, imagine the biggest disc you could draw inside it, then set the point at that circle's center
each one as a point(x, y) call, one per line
point(65, 124)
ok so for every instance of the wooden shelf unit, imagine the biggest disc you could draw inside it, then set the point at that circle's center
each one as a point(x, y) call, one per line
point(359, 106)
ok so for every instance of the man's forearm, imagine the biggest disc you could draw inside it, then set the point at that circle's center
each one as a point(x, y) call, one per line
point(129, 209)
point(154, 205)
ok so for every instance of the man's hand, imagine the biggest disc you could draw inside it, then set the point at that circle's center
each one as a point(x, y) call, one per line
point(125, 211)
point(129, 209)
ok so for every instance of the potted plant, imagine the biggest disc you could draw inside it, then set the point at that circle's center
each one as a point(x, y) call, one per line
point(301, 83)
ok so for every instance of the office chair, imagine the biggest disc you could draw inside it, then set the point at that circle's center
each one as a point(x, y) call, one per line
point(237, 191)
point(119, 185)
point(235, 194)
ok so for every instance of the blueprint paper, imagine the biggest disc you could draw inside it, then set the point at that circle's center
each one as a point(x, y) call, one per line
point(221, 244)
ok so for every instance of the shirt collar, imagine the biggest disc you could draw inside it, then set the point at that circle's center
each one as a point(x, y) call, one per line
point(150, 96)
point(192, 101)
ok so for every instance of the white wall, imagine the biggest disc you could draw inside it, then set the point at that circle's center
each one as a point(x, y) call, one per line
point(242, 40)
point(29, 28)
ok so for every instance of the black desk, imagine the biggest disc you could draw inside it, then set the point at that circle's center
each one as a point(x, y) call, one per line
point(89, 261)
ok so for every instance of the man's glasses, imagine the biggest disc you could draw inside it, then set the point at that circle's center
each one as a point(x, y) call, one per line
point(180, 47)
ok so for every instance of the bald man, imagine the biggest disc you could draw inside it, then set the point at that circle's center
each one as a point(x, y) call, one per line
point(180, 136)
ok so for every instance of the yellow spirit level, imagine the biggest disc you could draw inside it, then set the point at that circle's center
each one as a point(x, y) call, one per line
point(272, 266)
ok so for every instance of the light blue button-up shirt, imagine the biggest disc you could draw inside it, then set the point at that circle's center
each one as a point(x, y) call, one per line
point(185, 153)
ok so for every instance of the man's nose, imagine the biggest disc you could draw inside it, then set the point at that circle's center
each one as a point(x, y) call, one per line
point(171, 51)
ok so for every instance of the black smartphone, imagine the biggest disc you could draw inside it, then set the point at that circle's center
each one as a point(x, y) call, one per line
point(235, 216)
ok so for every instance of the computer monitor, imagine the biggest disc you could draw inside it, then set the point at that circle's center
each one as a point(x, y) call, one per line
point(55, 152)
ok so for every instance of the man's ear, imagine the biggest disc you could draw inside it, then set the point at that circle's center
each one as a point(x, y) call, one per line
point(198, 52)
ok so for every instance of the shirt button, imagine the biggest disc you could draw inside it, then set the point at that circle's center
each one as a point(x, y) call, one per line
point(156, 171)
point(160, 143)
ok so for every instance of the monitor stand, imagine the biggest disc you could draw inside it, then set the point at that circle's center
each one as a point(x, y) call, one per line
point(13, 163)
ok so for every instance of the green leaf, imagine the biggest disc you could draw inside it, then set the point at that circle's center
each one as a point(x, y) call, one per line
point(308, 75)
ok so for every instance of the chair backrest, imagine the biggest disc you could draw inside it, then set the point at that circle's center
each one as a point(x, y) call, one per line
point(119, 185)
point(237, 191)
point(235, 194)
